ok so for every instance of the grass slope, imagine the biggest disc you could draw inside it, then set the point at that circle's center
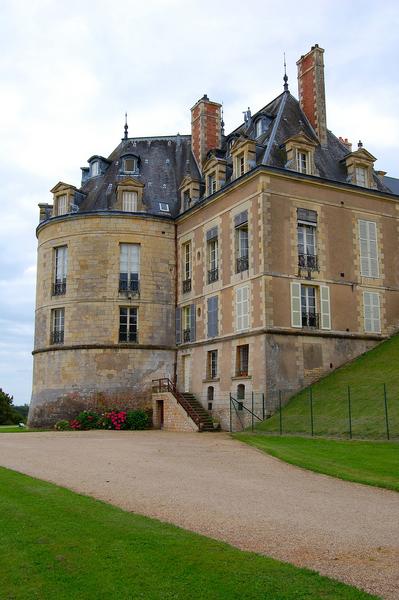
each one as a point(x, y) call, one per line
point(372, 463)
point(57, 544)
point(365, 376)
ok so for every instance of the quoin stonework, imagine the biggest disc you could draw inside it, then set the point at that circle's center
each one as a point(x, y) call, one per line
point(240, 263)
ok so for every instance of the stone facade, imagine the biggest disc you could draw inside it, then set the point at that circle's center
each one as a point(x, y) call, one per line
point(169, 415)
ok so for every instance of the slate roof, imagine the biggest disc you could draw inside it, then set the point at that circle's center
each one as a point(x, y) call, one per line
point(165, 160)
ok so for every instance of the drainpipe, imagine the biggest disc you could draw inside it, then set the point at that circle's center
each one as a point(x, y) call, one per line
point(175, 363)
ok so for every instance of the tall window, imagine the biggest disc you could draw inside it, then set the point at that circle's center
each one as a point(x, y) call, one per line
point(306, 230)
point(95, 168)
point(310, 306)
point(242, 308)
point(57, 325)
point(186, 267)
point(60, 270)
point(129, 258)
point(242, 360)
point(372, 318)
point(240, 165)
point(186, 317)
point(62, 206)
point(213, 317)
point(368, 249)
point(129, 201)
point(211, 183)
point(302, 161)
point(310, 318)
point(212, 364)
point(361, 176)
point(241, 241)
point(186, 200)
point(128, 324)
point(212, 255)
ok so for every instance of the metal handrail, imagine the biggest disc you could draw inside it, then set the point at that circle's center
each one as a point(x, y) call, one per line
point(242, 263)
point(310, 319)
point(186, 286)
point(308, 261)
point(213, 275)
point(166, 385)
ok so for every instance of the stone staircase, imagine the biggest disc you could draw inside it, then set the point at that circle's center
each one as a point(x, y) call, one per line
point(205, 419)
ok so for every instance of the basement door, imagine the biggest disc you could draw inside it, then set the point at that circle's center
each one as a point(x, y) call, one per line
point(186, 372)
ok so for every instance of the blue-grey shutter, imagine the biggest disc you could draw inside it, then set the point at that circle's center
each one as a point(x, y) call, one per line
point(241, 218)
point(192, 323)
point(178, 325)
point(212, 234)
point(213, 316)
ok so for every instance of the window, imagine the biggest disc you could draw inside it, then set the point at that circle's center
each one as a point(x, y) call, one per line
point(187, 323)
point(240, 165)
point(62, 205)
point(212, 304)
point(57, 325)
point(212, 364)
point(242, 308)
point(368, 249)
point(164, 207)
point(129, 201)
point(186, 267)
point(372, 319)
point(128, 324)
point(240, 396)
point(95, 168)
point(259, 128)
point(241, 242)
point(186, 200)
point(304, 302)
point(210, 396)
point(211, 184)
point(361, 176)
point(306, 231)
point(60, 270)
point(242, 359)
point(302, 159)
point(129, 269)
point(212, 255)
point(129, 165)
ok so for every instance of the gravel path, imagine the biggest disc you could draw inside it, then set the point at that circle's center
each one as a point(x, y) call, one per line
point(221, 488)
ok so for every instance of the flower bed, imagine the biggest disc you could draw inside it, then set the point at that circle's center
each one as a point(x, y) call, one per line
point(112, 419)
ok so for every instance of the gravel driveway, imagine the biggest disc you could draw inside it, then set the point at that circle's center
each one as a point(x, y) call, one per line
point(224, 489)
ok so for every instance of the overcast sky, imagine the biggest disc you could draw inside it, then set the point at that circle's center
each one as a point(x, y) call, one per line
point(70, 70)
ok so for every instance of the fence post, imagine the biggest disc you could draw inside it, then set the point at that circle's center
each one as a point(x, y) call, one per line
point(280, 413)
point(263, 406)
point(350, 412)
point(386, 411)
point(231, 420)
point(311, 409)
point(252, 413)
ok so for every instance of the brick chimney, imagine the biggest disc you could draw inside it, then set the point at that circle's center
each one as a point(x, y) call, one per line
point(206, 131)
point(311, 90)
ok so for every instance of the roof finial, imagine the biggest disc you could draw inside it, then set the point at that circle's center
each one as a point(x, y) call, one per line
point(126, 126)
point(285, 78)
point(360, 144)
point(222, 123)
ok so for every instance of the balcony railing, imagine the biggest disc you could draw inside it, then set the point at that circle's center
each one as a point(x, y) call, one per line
point(187, 335)
point(57, 337)
point(213, 275)
point(308, 261)
point(186, 286)
point(128, 337)
point(59, 288)
point(129, 287)
point(310, 319)
point(242, 372)
point(241, 264)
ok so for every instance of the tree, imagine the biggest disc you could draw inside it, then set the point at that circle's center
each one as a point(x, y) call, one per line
point(22, 411)
point(8, 416)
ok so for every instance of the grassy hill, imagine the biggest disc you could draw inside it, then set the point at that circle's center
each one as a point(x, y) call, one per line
point(365, 378)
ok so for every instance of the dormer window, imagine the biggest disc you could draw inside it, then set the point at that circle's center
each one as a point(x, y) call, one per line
point(164, 207)
point(129, 201)
point(361, 176)
point(359, 166)
point(129, 165)
point(211, 183)
point(302, 159)
point(95, 168)
point(62, 205)
point(240, 165)
point(300, 151)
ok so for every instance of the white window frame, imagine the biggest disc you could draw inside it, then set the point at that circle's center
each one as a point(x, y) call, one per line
point(164, 207)
point(62, 205)
point(129, 201)
point(134, 161)
point(187, 261)
point(95, 168)
point(368, 245)
point(242, 308)
point(361, 175)
point(372, 312)
point(302, 161)
point(60, 268)
point(129, 263)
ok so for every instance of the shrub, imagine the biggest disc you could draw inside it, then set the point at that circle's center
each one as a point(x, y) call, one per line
point(88, 419)
point(136, 419)
point(113, 420)
point(63, 426)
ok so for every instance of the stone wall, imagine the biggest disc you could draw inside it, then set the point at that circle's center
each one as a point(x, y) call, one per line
point(175, 417)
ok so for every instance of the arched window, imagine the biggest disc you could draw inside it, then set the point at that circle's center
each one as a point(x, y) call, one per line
point(210, 396)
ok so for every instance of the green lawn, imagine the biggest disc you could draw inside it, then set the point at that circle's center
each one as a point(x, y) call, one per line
point(16, 429)
point(57, 544)
point(365, 376)
point(372, 463)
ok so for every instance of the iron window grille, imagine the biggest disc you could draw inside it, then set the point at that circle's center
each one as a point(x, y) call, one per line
point(241, 264)
point(186, 286)
point(213, 275)
point(308, 261)
point(310, 319)
point(186, 335)
point(57, 337)
point(130, 287)
point(59, 288)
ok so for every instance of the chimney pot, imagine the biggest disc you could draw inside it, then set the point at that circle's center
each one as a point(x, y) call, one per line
point(206, 128)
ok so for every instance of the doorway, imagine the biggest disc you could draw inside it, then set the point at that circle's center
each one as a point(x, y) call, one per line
point(186, 372)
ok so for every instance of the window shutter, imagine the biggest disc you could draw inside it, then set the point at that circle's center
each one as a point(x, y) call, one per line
point(373, 254)
point(325, 307)
point(178, 325)
point(213, 316)
point(242, 308)
point(368, 249)
point(192, 323)
point(241, 218)
point(296, 313)
point(372, 318)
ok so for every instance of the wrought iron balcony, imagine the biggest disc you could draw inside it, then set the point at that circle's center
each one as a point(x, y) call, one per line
point(310, 319)
point(128, 336)
point(242, 372)
point(129, 287)
point(213, 275)
point(186, 286)
point(57, 337)
point(59, 288)
point(187, 335)
point(241, 264)
point(308, 261)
